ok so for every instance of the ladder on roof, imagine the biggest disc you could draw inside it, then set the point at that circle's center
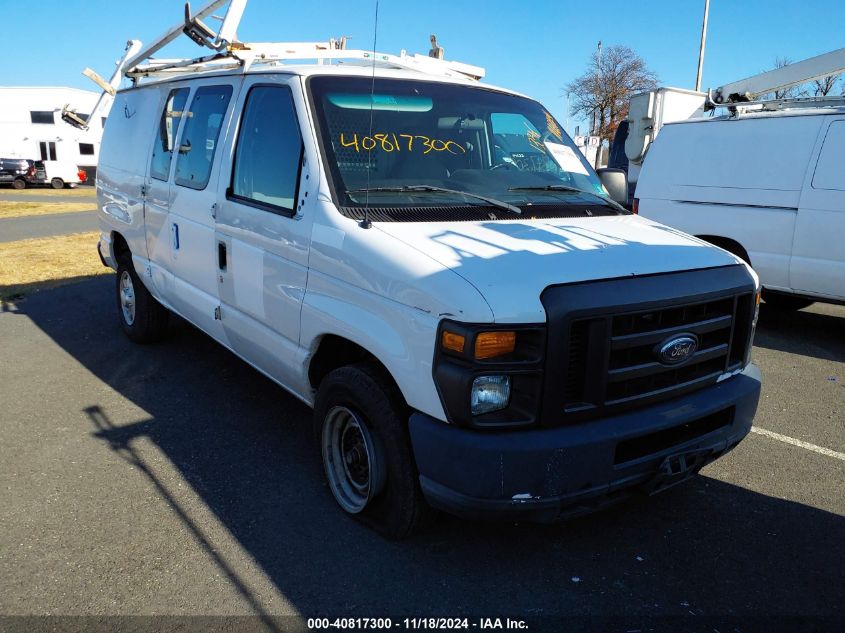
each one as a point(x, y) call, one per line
point(229, 53)
point(749, 91)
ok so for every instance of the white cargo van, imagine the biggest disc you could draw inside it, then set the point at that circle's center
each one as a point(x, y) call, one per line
point(766, 186)
point(432, 265)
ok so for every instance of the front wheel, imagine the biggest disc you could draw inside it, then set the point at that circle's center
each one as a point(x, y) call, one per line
point(362, 425)
point(143, 319)
point(57, 183)
point(19, 183)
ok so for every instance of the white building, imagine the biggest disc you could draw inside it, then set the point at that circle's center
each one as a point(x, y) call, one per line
point(31, 125)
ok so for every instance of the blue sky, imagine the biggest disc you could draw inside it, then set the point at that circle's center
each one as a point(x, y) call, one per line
point(532, 46)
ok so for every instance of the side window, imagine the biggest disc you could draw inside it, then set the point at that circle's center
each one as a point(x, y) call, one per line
point(42, 116)
point(830, 170)
point(166, 136)
point(47, 149)
point(268, 155)
point(199, 138)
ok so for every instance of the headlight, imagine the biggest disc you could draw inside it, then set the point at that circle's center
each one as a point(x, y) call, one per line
point(490, 393)
point(489, 375)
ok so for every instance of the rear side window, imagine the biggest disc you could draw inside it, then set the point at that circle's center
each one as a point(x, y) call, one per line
point(830, 170)
point(268, 156)
point(199, 138)
point(166, 133)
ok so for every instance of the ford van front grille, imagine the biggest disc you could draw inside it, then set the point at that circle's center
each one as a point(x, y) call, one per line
point(648, 349)
point(635, 369)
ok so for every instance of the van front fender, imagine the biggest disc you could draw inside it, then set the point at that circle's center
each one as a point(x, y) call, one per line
point(399, 337)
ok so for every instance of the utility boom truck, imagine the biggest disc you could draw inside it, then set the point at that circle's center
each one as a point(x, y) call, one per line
point(764, 180)
point(432, 265)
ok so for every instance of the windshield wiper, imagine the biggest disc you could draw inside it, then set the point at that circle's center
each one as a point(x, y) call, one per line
point(424, 188)
point(567, 189)
point(549, 188)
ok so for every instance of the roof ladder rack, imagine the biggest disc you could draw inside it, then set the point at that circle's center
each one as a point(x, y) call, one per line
point(229, 52)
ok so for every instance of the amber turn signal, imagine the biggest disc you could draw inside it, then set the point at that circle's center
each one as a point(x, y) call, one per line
point(453, 342)
point(492, 344)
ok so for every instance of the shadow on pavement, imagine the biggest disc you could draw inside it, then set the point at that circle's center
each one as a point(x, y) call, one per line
point(705, 548)
point(802, 332)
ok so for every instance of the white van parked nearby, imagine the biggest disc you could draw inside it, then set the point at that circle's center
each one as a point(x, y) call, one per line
point(766, 186)
point(60, 174)
point(431, 264)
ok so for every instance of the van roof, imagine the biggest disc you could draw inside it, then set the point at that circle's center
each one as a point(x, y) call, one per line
point(826, 110)
point(346, 69)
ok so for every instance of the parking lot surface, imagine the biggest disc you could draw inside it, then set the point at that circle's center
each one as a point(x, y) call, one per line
point(13, 229)
point(174, 479)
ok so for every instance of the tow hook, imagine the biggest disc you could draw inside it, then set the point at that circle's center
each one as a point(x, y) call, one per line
point(679, 467)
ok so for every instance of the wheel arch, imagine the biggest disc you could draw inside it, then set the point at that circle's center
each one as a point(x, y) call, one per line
point(332, 351)
point(119, 246)
point(729, 244)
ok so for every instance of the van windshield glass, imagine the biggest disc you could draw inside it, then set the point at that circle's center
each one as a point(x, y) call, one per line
point(430, 141)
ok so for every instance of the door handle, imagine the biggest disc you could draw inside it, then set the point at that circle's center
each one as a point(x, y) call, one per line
point(221, 255)
point(174, 236)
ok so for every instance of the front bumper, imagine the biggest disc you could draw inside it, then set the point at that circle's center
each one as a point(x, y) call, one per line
point(545, 474)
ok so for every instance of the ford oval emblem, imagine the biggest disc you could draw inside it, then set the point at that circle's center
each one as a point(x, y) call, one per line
point(677, 349)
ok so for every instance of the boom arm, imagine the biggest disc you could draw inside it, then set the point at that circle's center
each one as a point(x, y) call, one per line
point(780, 78)
point(190, 27)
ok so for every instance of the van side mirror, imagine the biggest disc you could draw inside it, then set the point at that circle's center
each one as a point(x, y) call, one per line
point(616, 183)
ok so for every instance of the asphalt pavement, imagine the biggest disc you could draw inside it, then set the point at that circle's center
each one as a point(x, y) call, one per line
point(47, 195)
point(31, 226)
point(173, 479)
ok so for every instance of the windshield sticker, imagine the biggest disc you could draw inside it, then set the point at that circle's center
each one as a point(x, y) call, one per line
point(535, 139)
point(553, 127)
point(408, 143)
point(566, 157)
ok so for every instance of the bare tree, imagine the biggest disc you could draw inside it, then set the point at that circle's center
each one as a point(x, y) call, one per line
point(602, 93)
point(787, 93)
point(824, 86)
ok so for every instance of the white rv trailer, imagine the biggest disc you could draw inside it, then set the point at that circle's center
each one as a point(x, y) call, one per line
point(31, 125)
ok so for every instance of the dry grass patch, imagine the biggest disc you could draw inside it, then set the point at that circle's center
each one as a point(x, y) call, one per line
point(23, 209)
point(46, 262)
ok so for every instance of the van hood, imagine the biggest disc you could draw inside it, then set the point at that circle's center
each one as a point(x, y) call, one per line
point(511, 262)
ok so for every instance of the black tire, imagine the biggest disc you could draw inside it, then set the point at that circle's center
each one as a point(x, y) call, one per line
point(19, 183)
point(148, 321)
point(57, 183)
point(784, 302)
point(396, 507)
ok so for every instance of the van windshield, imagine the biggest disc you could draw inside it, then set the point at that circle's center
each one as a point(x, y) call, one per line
point(410, 150)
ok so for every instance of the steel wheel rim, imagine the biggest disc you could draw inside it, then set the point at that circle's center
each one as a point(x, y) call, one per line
point(353, 466)
point(127, 297)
